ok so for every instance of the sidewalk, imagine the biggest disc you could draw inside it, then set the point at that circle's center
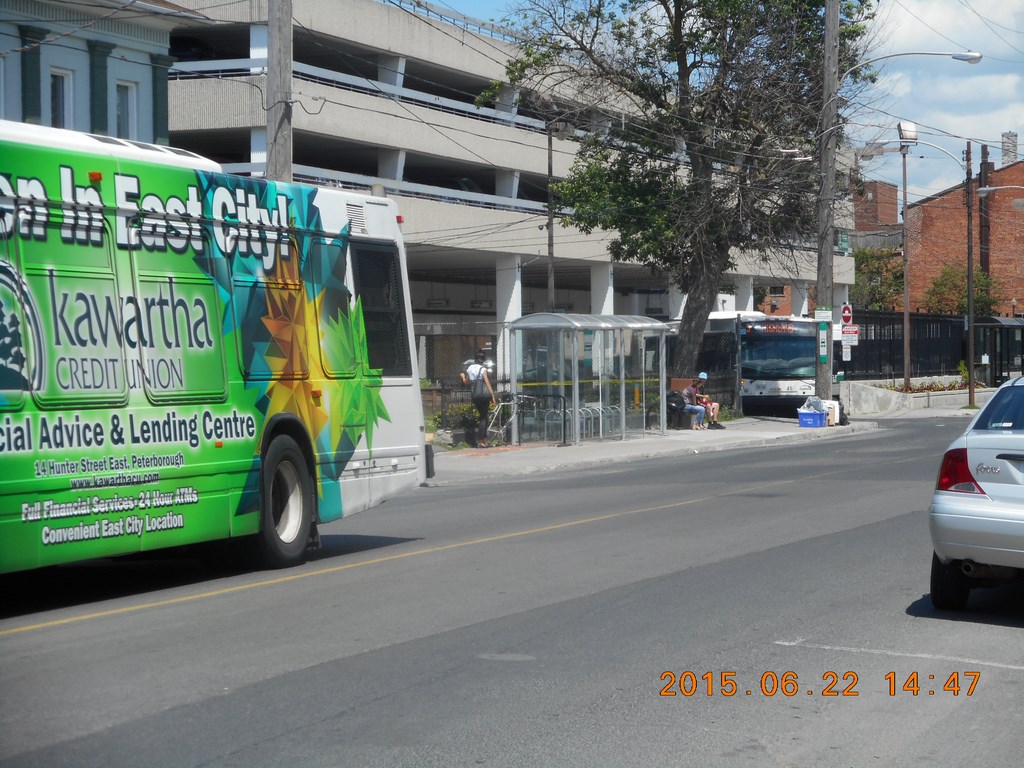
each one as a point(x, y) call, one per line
point(750, 431)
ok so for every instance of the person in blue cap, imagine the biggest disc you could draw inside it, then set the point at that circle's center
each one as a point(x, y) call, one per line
point(711, 408)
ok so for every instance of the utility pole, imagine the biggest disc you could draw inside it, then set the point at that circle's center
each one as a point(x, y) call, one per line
point(904, 150)
point(970, 280)
point(827, 140)
point(279, 90)
point(983, 226)
point(551, 216)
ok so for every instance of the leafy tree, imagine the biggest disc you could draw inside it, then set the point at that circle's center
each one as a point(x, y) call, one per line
point(879, 279)
point(948, 292)
point(691, 103)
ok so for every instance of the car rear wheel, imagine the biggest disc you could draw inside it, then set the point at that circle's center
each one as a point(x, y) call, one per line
point(950, 587)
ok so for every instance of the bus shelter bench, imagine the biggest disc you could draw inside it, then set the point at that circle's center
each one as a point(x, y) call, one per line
point(673, 419)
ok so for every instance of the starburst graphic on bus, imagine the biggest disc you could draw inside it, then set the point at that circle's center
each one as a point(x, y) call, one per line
point(274, 320)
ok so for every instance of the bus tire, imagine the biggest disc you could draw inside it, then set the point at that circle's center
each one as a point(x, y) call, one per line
point(286, 504)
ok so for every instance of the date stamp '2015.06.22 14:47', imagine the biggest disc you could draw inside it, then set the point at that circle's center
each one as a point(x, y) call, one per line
point(789, 684)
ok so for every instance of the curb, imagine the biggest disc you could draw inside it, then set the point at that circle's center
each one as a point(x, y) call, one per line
point(515, 461)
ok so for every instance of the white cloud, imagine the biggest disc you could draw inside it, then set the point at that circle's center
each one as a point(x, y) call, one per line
point(952, 102)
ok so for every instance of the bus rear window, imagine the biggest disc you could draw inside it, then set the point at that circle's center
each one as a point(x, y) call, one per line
point(378, 282)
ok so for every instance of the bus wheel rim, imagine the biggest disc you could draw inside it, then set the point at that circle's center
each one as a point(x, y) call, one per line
point(288, 502)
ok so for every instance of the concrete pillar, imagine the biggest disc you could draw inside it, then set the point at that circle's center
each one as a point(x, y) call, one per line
point(798, 299)
point(602, 289)
point(258, 149)
point(744, 293)
point(259, 45)
point(159, 64)
point(99, 88)
point(507, 100)
point(391, 164)
point(506, 183)
point(391, 69)
point(508, 291)
point(676, 302)
point(31, 74)
point(842, 294)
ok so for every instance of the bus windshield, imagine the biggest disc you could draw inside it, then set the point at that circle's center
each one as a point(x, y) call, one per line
point(782, 349)
point(778, 357)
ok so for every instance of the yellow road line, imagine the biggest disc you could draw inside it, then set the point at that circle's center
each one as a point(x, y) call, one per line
point(400, 556)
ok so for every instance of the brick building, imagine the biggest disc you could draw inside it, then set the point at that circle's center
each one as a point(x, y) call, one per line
point(875, 207)
point(873, 210)
point(937, 234)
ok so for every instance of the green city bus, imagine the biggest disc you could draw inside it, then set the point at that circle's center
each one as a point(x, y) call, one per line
point(189, 356)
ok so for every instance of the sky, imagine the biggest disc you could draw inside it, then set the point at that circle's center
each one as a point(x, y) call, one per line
point(951, 102)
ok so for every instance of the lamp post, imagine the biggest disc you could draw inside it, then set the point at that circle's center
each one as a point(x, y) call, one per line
point(827, 140)
point(907, 136)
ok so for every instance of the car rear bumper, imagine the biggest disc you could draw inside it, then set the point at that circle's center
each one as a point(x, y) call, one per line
point(976, 529)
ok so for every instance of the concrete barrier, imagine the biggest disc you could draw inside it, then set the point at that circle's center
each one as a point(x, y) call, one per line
point(871, 397)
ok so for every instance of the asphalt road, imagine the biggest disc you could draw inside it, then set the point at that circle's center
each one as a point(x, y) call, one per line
point(537, 622)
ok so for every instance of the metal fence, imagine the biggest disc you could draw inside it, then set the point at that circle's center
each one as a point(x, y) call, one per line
point(719, 356)
point(445, 349)
point(938, 344)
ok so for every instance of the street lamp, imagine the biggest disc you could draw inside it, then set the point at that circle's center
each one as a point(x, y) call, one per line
point(827, 157)
point(984, 192)
point(907, 136)
point(970, 57)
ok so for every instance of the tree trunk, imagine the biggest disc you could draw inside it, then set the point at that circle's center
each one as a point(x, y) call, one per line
point(700, 302)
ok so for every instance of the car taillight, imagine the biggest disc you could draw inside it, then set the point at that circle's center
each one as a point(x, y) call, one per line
point(955, 475)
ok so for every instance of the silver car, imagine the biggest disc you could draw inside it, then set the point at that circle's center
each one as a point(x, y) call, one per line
point(977, 512)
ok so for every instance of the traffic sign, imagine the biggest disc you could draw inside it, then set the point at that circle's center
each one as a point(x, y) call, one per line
point(851, 335)
point(847, 314)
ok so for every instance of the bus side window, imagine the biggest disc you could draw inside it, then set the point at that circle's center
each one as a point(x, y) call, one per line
point(270, 317)
point(175, 353)
point(74, 354)
point(377, 274)
point(333, 298)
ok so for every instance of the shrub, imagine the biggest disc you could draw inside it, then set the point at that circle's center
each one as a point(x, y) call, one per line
point(432, 421)
point(928, 386)
point(462, 416)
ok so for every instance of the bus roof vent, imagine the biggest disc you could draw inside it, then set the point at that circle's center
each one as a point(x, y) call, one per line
point(357, 216)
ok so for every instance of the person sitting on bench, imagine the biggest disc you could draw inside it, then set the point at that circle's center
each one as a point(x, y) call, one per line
point(690, 405)
point(711, 408)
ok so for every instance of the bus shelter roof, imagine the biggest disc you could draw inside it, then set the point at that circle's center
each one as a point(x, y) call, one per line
point(551, 321)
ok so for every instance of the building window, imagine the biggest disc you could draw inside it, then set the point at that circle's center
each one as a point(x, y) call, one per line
point(60, 98)
point(127, 110)
point(776, 290)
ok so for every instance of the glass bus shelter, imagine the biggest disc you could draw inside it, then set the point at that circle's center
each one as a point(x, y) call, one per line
point(587, 376)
